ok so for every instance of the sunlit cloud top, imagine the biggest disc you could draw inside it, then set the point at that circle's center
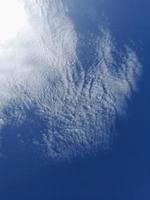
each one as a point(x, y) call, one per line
point(12, 19)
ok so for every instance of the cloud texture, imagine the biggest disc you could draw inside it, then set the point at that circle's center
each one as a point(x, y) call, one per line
point(48, 97)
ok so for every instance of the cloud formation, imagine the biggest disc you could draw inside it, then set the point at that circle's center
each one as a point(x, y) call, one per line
point(68, 109)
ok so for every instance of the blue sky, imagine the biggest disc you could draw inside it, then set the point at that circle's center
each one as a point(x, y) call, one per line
point(123, 173)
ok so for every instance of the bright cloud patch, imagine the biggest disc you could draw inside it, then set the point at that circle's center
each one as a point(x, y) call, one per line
point(12, 19)
point(48, 99)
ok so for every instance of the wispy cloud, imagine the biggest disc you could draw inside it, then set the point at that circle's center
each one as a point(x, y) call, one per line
point(42, 70)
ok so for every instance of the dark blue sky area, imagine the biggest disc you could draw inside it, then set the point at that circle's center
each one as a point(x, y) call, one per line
point(121, 174)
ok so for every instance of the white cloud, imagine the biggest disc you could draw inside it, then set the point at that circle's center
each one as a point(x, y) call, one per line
point(41, 69)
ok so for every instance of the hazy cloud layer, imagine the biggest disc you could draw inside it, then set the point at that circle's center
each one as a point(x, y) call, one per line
point(68, 108)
